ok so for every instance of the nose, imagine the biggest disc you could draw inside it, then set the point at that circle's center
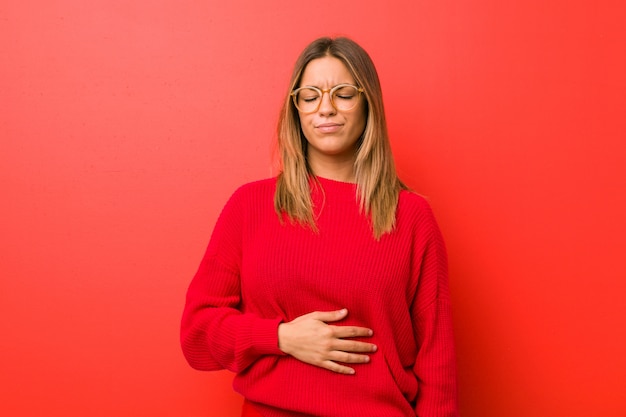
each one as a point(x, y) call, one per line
point(326, 104)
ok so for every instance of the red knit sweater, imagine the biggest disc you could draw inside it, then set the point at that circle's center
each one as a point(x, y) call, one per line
point(257, 273)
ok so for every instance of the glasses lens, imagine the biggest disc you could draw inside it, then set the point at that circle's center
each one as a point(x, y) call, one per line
point(345, 97)
point(307, 100)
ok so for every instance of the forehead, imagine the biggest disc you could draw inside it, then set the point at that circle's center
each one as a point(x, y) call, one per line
point(326, 72)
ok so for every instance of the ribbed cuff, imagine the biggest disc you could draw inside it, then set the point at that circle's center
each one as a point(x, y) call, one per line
point(264, 333)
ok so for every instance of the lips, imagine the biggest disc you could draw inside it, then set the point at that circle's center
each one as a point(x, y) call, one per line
point(328, 127)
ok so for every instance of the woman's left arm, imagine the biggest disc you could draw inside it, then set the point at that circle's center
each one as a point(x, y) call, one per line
point(435, 365)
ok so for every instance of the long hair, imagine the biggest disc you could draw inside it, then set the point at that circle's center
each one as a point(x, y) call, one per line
point(378, 186)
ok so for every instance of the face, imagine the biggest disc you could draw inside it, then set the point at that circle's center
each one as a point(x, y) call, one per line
point(332, 134)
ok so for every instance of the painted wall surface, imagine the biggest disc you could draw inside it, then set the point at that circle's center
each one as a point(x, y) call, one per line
point(125, 125)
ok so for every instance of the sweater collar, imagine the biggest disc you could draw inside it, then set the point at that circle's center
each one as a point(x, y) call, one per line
point(333, 189)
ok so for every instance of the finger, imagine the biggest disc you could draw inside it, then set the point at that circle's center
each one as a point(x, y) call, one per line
point(353, 346)
point(328, 316)
point(351, 331)
point(335, 367)
point(345, 357)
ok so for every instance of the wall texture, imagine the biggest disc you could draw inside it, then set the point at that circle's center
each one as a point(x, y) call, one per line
point(125, 125)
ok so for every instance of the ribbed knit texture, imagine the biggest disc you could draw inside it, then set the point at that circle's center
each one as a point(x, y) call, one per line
point(258, 272)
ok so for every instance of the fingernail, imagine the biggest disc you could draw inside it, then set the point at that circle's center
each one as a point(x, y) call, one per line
point(344, 311)
point(370, 333)
point(374, 348)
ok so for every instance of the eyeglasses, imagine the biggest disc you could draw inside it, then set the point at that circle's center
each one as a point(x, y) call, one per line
point(342, 97)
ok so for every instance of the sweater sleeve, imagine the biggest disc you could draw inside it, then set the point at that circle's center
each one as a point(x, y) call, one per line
point(215, 334)
point(435, 365)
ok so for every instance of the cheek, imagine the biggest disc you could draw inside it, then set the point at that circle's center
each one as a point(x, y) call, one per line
point(361, 122)
point(361, 116)
point(306, 126)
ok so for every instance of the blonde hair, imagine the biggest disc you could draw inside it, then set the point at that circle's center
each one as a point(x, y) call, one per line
point(378, 186)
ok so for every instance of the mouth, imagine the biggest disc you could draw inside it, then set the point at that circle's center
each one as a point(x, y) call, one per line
point(328, 127)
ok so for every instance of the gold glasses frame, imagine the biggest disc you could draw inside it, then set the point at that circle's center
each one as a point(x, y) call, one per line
point(330, 91)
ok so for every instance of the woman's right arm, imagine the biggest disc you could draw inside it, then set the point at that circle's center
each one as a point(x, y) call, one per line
point(214, 333)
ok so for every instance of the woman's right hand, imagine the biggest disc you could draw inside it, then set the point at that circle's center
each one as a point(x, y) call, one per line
point(310, 339)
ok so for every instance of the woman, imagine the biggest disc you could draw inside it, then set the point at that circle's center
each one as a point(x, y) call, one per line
point(325, 289)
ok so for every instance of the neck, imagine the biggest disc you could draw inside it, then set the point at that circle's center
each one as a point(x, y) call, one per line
point(337, 170)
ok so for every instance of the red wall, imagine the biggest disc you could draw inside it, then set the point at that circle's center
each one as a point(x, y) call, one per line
point(125, 125)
